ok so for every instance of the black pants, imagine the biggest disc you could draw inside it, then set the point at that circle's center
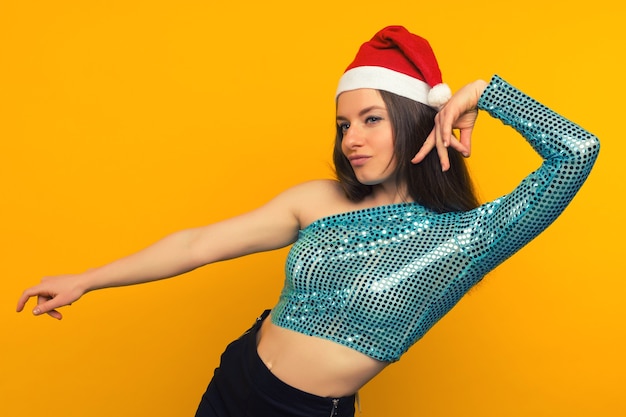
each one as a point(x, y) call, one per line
point(242, 386)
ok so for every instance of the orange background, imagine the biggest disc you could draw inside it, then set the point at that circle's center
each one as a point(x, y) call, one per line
point(123, 121)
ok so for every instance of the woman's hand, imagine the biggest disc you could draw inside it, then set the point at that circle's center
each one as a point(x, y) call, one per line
point(459, 112)
point(52, 293)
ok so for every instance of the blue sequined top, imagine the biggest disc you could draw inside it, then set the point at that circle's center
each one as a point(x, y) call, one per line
point(376, 280)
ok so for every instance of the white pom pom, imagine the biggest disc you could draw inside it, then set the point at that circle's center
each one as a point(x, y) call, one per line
point(439, 95)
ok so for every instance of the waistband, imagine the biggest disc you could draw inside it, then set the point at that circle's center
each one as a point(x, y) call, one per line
point(271, 385)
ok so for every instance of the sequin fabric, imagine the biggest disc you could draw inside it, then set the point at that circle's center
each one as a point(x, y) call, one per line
point(376, 280)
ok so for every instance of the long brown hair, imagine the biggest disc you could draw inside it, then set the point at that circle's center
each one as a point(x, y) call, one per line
point(426, 184)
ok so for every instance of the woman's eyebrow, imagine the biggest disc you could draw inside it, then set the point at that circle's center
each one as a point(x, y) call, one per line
point(363, 112)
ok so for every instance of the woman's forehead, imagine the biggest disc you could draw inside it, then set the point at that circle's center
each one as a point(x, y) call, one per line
point(356, 100)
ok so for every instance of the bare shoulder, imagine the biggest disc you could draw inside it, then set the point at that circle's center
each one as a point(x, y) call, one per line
point(318, 198)
point(275, 224)
point(319, 189)
point(317, 192)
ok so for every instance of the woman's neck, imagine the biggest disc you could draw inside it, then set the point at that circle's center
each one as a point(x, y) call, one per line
point(384, 194)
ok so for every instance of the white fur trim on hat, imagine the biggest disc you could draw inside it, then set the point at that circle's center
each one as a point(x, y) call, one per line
point(381, 78)
point(439, 95)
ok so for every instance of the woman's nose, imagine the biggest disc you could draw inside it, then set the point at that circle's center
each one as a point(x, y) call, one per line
point(353, 137)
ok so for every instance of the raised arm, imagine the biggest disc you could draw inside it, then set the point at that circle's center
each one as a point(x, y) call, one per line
point(568, 152)
point(501, 227)
point(271, 226)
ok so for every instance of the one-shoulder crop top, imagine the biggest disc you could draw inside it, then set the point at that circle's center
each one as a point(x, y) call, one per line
point(377, 279)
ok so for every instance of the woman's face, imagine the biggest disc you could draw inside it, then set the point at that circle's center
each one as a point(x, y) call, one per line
point(367, 135)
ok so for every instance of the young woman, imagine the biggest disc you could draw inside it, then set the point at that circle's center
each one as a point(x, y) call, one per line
point(378, 256)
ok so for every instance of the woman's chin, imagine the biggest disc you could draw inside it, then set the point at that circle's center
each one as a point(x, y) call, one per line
point(368, 181)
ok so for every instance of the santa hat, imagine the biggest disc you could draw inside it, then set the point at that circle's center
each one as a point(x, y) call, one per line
point(399, 62)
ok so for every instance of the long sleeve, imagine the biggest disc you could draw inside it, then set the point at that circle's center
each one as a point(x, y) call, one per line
point(507, 224)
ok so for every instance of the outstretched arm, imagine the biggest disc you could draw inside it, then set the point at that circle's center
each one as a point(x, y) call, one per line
point(271, 226)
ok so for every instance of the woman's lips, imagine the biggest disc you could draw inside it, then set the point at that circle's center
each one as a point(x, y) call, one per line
point(358, 160)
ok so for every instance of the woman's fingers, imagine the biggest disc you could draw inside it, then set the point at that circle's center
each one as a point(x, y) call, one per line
point(465, 141)
point(428, 146)
point(442, 152)
point(26, 295)
point(440, 139)
point(460, 113)
point(45, 305)
point(52, 293)
point(436, 141)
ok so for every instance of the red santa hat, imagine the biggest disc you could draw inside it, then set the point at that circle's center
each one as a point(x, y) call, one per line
point(399, 62)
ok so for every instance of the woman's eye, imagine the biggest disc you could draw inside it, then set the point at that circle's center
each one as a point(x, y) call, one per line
point(344, 126)
point(373, 119)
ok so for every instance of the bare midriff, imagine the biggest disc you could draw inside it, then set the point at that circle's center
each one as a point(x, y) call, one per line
point(312, 364)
